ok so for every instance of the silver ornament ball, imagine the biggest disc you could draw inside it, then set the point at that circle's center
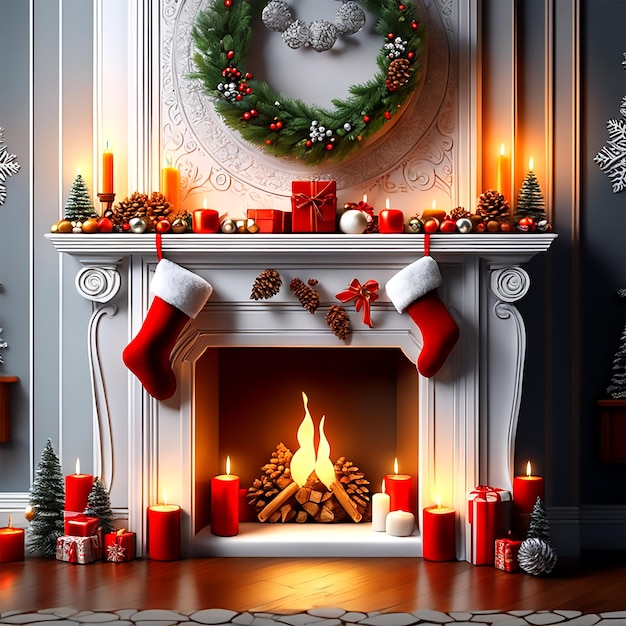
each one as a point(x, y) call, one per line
point(353, 222)
point(464, 225)
point(137, 225)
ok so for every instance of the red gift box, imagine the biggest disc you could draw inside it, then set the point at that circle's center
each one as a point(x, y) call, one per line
point(119, 546)
point(313, 206)
point(506, 554)
point(81, 525)
point(489, 514)
point(270, 220)
point(80, 550)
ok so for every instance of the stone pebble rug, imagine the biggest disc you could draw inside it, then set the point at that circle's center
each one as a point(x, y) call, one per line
point(316, 617)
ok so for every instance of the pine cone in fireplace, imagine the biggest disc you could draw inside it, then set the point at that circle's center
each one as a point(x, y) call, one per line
point(338, 320)
point(492, 205)
point(275, 477)
point(354, 483)
point(266, 285)
point(309, 298)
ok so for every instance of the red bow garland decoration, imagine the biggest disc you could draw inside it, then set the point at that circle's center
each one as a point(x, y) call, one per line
point(362, 295)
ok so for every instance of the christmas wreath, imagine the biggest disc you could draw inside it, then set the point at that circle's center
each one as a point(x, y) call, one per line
point(285, 126)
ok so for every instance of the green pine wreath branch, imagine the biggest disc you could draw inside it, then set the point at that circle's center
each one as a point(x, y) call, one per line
point(280, 125)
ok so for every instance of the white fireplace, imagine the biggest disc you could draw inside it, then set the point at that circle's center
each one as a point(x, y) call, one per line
point(452, 432)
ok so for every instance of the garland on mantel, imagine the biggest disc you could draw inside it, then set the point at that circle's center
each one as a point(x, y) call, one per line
point(285, 126)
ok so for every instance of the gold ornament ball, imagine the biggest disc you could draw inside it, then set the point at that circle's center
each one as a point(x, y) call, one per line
point(228, 226)
point(90, 226)
point(29, 513)
point(414, 225)
point(179, 225)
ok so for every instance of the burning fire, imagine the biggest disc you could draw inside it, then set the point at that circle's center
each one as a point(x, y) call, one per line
point(303, 461)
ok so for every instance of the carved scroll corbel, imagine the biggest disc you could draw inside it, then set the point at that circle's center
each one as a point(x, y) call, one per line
point(98, 283)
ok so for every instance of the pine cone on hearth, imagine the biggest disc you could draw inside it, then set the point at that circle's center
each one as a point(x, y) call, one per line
point(126, 209)
point(354, 483)
point(266, 285)
point(309, 298)
point(338, 320)
point(398, 74)
point(492, 205)
point(275, 477)
point(459, 213)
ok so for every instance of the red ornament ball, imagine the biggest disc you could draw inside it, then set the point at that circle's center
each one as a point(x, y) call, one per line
point(431, 225)
point(448, 226)
point(105, 225)
point(163, 226)
point(526, 224)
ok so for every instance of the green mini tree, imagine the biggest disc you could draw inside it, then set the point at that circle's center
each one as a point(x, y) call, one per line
point(79, 205)
point(530, 202)
point(99, 505)
point(537, 554)
point(47, 497)
point(617, 388)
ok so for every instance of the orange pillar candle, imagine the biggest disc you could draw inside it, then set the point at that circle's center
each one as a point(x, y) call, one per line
point(398, 487)
point(526, 490)
point(164, 531)
point(225, 503)
point(170, 184)
point(11, 543)
point(107, 170)
point(77, 488)
point(503, 181)
point(438, 533)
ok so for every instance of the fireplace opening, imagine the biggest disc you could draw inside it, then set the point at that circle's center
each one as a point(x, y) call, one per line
point(247, 400)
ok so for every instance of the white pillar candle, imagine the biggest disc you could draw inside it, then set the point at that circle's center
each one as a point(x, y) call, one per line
point(400, 523)
point(380, 509)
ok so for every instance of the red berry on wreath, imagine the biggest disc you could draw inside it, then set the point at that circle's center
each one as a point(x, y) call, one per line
point(410, 55)
point(254, 113)
point(415, 25)
point(309, 143)
point(248, 75)
point(366, 119)
point(230, 54)
point(387, 115)
point(246, 116)
point(228, 3)
point(390, 36)
point(401, 7)
point(329, 146)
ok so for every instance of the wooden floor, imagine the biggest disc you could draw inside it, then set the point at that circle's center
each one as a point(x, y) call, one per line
point(293, 585)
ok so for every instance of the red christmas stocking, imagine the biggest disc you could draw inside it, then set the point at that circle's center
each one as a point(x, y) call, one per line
point(414, 289)
point(178, 296)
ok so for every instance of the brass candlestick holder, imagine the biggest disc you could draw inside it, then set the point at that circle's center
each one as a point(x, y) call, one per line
point(107, 200)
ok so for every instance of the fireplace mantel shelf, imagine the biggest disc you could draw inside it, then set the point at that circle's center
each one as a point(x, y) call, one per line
point(520, 246)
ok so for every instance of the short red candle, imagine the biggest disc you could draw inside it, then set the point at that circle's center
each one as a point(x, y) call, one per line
point(164, 532)
point(77, 489)
point(398, 486)
point(438, 538)
point(205, 221)
point(11, 544)
point(526, 490)
point(391, 221)
point(225, 504)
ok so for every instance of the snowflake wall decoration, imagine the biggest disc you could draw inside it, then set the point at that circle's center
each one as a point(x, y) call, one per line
point(612, 158)
point(8, 167)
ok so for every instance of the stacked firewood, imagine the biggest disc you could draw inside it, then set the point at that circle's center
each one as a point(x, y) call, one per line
point(276, 498)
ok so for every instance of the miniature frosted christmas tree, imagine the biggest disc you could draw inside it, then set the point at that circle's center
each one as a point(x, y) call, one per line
point(530, 202)
point(99, 505)
point(47, 496)
point(617, 388)
point(537, 554)
point(79, 205)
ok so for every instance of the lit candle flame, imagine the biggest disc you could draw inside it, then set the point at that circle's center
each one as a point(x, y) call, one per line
point(387, 203)
point(438, 500)
point(395, 466)
point(530, 164)
point(77, 465)
point(228, 466)
point(383, 487)
point(434, 204)
point(364, 198)
point(303, 461)
point(528, 469)
point(501, 149)
point(204, 204)
point(10, 521)
point(324, 467)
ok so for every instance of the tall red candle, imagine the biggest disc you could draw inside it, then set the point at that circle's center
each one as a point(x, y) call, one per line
point(225, 503)
point(526, 490)
point(11, 544)
point(438, 537)
point(77, 488)
point(164, 532)
point(398, 486)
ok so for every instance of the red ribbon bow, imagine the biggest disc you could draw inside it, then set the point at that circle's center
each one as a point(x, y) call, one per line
point(362, 295)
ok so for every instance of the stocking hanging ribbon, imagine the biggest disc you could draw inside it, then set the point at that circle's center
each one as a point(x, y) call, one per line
point(363, 296)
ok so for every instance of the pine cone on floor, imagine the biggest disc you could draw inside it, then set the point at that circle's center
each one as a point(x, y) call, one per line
point(354, 483)
point(266, 285)
point(275, 477)
point(492, 205)
point(398, 74)
point(536, 556)
point(338, 320)
point(309, 298)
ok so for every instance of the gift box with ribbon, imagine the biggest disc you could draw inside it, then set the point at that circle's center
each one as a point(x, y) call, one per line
point(313, 206)
point(119, 546)
point(80, 550)
point(489, 515)
point(270, 220)
point(506, 554)
point(81, 525)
